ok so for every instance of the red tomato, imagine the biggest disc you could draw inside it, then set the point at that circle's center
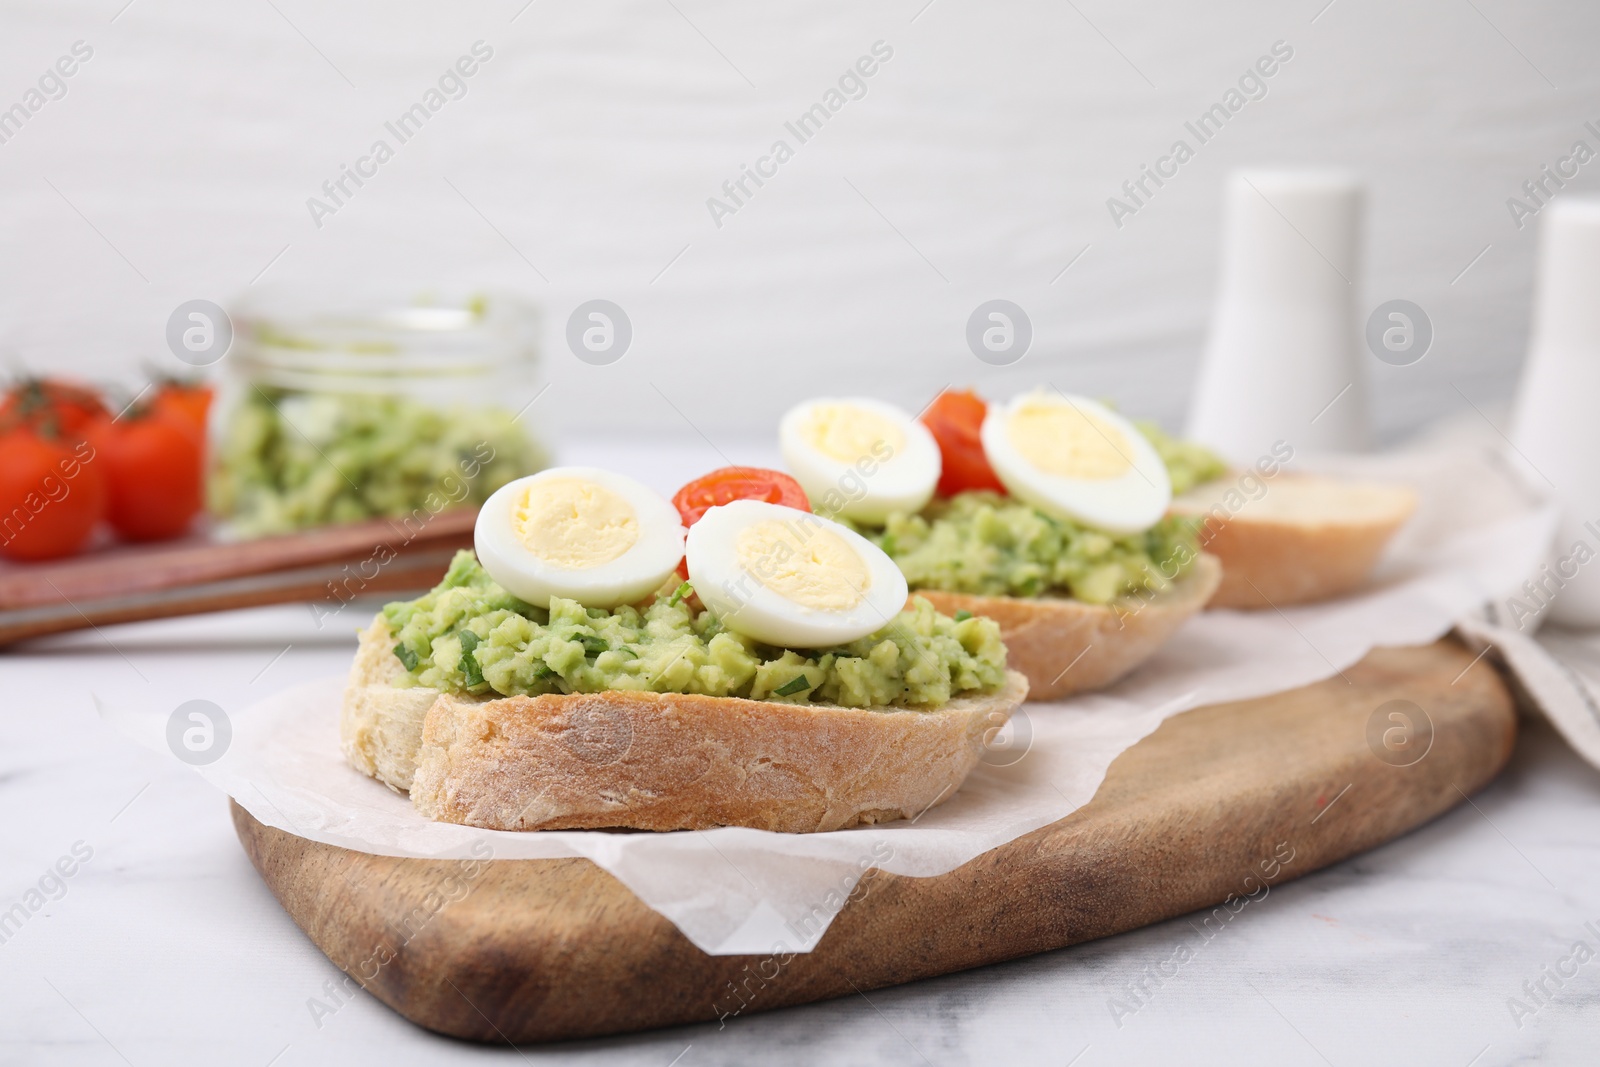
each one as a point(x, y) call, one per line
point(190, 400)
point(56, 406)
point(154, 471)
point(52, 493)
point(728, 484)
point(955, 419)
point(738, 483)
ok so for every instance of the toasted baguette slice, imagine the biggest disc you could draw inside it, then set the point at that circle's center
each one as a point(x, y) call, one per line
point(1065, 646)
point(1305, 539)
point(657, 761)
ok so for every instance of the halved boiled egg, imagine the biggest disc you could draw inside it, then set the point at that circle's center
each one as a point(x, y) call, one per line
point(859, 458)
point(1075, 459)
point(790, 578)
point(581, 533)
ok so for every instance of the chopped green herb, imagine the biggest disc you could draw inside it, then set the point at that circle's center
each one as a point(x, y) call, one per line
point(798, 684)
point(626, 651)
point(679, 593)
point(407, 657)
point(963, 615)
point(469, 662)
point(593, 645)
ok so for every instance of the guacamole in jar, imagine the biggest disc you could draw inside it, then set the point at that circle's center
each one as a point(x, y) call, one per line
point(288, 460)
point(468, 635)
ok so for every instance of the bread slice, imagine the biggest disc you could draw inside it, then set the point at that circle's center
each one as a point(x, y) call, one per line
point(380, 727)
point(658, 761)
point(1305, 539)
point(1066, 646)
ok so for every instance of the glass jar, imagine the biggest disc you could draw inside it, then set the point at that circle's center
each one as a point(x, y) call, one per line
point(375, 408)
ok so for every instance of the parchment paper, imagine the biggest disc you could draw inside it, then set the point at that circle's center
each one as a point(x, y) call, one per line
point(1476, 535)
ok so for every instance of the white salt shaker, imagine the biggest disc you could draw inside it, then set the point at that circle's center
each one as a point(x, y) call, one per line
point(1556, 422)
point(1284, 358)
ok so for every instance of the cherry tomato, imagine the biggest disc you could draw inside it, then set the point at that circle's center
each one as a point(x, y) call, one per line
point(52, 404)
point(191, 400)
point(52, 493)
point(738, 483)
point(728, 484)
point(955, 419)
point(154, 472)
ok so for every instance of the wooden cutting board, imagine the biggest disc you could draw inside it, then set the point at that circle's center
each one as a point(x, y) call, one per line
point(1216, 804)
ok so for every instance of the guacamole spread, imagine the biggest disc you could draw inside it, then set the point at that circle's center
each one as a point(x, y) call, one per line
point(470, 636)
point(291, 460)
point(1188, 464)
point(994, 545)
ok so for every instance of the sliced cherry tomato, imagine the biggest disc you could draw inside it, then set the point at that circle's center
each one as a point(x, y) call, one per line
point(52, 493)
point(56, 406)
point(727, 484)
point(955, 419)
point(191, 400)
point(738, 483)
point(154, 472)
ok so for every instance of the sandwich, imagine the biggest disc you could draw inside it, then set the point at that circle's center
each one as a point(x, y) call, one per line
point(1047, 514)
point(567, 675)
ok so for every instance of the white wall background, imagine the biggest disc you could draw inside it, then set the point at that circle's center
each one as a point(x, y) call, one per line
point(191, 140)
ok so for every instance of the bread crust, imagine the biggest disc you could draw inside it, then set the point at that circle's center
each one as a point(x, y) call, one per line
point(674, 761)
point(1305, 540)
point(658, 761)
point(1066, 646)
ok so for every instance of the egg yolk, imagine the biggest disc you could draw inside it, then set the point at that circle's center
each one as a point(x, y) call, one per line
point(847, 433)
point(1066, 441)
point(571, 523)
point(804, 564)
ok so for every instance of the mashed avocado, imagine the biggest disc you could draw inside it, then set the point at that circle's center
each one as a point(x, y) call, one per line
point(291, 460)
point(470, 635)
point(996, 546)
point(1188, 464)
point(993, 545)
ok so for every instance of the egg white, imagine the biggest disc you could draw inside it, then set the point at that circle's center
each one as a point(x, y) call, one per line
point(745, 605)
point(639, 571)
point(1129, 503)
point(871, 488)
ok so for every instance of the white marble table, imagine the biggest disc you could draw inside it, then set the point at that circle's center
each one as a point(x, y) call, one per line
point(166, 948)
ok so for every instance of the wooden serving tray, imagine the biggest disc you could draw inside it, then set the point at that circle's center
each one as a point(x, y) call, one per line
point(1205, 809)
